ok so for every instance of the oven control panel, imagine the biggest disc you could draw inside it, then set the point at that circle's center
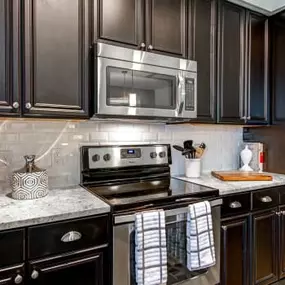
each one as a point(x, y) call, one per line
point(122, 156)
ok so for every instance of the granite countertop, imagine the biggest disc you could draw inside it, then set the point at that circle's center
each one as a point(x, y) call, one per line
point(226, 188)
point(58, 205)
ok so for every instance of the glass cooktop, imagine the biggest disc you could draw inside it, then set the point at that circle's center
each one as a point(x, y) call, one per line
point(156, 191)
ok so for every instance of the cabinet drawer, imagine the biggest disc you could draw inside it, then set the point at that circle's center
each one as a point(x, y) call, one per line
point(265, 199)
point(67, 236)
point(236, 204)
point(11, 247)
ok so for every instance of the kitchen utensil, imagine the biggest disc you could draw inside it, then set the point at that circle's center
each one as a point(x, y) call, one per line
point(190, 151)
point(241, 176)
point(29, 182)
point(188, 144)
point(200, 150)
point(179, 148)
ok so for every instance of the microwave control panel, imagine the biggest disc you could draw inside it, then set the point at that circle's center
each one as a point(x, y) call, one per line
point(189, 94)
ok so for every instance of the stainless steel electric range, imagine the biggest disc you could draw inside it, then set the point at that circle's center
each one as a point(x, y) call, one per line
point(135, 178)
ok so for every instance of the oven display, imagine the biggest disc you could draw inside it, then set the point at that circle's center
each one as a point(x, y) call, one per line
point(131, 153)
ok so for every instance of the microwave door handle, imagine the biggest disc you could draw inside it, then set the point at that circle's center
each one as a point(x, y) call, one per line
point(180, 93)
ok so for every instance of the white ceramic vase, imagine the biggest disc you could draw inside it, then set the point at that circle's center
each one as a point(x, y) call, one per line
point(246, 156)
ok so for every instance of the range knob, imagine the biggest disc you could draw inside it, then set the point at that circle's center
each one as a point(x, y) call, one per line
point(96, 157)
point(107, 157)
point(153, 154)
point(162, 154)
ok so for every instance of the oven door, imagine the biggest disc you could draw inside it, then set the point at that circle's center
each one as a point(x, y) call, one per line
point(124, 244)
point(136, 89)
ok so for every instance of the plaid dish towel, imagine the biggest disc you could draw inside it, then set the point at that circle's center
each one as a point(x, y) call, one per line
point(150, 248)
point(200, 237)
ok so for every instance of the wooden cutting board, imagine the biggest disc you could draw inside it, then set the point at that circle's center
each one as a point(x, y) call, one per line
point(241, 176)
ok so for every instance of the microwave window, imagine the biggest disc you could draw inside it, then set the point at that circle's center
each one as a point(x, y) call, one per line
point(132, 88)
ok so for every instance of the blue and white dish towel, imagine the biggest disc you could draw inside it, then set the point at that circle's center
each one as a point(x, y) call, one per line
point(200, 237)
point(150, 248)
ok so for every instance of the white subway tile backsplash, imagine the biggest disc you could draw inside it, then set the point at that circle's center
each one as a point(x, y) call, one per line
point(99, 137)
point(108, 127)
point(150, 137)
point(57, 143)
point(157, 128)
point(125, 137)
point(164, 137)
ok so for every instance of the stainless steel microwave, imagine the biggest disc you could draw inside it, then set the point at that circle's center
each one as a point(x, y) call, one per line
point(139, 84)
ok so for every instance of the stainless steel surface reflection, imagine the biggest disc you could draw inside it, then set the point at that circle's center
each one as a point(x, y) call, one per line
point(134, 83)
point(123, 252)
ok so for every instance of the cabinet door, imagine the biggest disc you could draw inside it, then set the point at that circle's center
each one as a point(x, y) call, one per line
point(278, 71)
point(122, 22)
point(12, 275)
point(282, 243)
point(235, 252)
point(257, 69)
point(87, 270)
point(202, 47)
point(264, 242)
point(166, 26)
point(231, 45)
point(57, 43)
point(9, 57)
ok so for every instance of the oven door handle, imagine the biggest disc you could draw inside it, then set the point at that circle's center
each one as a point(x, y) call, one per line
point(131, 218)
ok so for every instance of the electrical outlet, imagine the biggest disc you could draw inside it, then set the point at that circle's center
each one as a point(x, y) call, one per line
point(56, 157)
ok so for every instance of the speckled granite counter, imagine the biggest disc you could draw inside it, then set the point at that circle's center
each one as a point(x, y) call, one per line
point(226, 188)
point(60, 204)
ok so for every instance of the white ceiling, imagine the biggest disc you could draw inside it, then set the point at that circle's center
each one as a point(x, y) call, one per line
point(267, 7)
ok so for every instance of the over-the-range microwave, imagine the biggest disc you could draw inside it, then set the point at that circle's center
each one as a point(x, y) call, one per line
point(142, 85)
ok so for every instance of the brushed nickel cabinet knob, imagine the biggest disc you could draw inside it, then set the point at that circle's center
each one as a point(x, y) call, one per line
point(35, 274)
point(28, 105)
point(16, 105)
point(150, 47)
point(142, 45)
point(18, 279)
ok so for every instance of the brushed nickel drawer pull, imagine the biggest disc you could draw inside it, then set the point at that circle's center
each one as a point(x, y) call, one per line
point(235, 205)
point(266, 199)
point(71, 236)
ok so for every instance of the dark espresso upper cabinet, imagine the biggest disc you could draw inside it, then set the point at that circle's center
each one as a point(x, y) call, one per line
point(257, 69)
point(121, 21)
point(242, 66)
point(278, 71)
point(202, 48)
point(231, 51)
point(9, 57)
point(166, 26)
point(152, 25)
point(56, 62)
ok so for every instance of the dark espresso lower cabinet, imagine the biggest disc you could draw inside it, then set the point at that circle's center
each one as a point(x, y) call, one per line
point(265, 244)
point(76, 252)
point(235, 251)
point(12, 275)
point(73, 269)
